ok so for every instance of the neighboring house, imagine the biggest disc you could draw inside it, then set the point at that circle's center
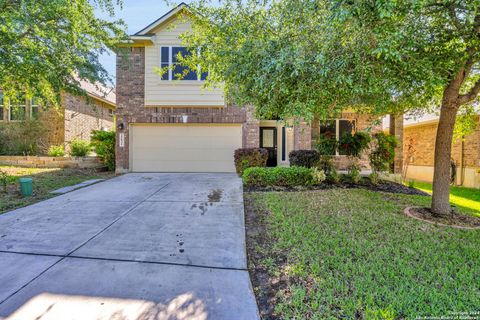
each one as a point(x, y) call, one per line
point(174, 125)
point(419, 136)
point(75, 118)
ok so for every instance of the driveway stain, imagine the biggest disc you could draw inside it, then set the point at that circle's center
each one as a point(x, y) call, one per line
point(215, 195)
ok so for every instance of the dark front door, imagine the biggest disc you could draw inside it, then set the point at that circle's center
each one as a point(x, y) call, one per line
point(268, 140)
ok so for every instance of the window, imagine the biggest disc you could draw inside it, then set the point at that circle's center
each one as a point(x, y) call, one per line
point(18, 109)
point(2, 106)
point(332, 130)
point(35, 106)
point(169, 59)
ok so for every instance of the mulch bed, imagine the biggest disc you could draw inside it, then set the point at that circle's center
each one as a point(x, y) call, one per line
point(455, 219)
point(384, 186)
point(265, 285)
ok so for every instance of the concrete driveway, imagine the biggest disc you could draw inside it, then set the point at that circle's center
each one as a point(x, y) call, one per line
point(139, 246)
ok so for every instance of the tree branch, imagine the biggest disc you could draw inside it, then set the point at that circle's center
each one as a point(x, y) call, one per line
point(471, 95)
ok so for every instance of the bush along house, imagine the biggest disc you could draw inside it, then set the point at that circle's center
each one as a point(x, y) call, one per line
point(170, 125)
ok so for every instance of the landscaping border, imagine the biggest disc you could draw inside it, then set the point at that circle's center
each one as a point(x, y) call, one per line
point(52, 162)
point(407, 213)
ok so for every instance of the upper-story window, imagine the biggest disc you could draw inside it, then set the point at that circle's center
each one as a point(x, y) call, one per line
point(18, 109)
point(334, 129)
point(169, 59)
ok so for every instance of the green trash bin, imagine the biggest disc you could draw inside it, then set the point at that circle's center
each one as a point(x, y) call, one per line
point(26, 187)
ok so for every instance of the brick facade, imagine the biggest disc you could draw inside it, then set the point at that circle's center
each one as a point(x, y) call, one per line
point(302, 136)
point(423, 137)
point(363, 122)
point(82, 116)
point(131, 107)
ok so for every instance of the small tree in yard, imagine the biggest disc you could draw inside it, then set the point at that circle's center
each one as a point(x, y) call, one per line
point(300, 58)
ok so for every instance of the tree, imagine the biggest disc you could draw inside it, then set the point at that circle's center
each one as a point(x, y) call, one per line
point(300, 58)
point(47, 46)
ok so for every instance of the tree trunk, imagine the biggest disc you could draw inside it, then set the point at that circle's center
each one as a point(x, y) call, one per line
point(443, 149)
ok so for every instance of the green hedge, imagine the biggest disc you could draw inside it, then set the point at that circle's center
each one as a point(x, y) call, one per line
point(282, 176)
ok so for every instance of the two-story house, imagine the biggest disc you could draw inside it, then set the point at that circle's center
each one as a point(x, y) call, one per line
point(170, 125)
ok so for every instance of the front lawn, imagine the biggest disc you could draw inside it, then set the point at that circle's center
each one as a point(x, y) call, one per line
point(44, 181)
point(353, 254)
point(466, 199)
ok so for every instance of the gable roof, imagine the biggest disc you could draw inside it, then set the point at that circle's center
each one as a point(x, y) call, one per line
point(162, 19)
point(99, 92)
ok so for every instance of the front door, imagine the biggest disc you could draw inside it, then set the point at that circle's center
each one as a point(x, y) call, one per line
point(268, 140)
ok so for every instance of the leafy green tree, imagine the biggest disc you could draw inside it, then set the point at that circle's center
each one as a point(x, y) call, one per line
point(300, 58)
point(47, 46)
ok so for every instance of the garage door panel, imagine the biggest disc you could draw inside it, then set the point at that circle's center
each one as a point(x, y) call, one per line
point(185, 154)
point(185, 166)
point(173, 142)
point(184, 148)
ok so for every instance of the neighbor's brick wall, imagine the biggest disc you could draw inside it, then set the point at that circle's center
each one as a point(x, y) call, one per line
point(424, 144)
point(131, 106)
point(83, 115)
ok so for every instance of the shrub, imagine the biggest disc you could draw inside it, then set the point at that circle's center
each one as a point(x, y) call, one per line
point(327, 144)
point(250, 157)
point(22, 138)
point(326, 164)
point(333, 176)
point(79, 148)
point(354, 144)
point(282, 176)
point(5, 180)
point(56, 151)
point(318, 175)
point(104, 144)
point(354, 173)
point(304, 158)
point(374, 177)
point(383, 152)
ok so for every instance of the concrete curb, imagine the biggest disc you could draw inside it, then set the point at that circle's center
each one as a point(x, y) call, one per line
point(76, 186)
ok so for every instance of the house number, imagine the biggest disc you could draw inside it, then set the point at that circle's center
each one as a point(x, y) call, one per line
point(121, 140)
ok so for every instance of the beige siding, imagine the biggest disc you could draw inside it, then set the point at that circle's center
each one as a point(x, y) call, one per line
point(174, 93)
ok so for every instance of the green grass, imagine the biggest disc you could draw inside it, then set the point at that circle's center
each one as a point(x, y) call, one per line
point(44, 181)
point(465, 199)
point(351, 253)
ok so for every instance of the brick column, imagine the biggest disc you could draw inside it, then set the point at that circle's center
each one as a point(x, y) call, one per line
point(130, 90)
point(302, 136)
point(251, 129)
point(396, 129)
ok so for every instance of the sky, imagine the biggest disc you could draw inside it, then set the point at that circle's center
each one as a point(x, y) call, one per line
point(137, 14)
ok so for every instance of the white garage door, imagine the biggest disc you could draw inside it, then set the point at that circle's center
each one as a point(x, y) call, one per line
point(184, 148)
